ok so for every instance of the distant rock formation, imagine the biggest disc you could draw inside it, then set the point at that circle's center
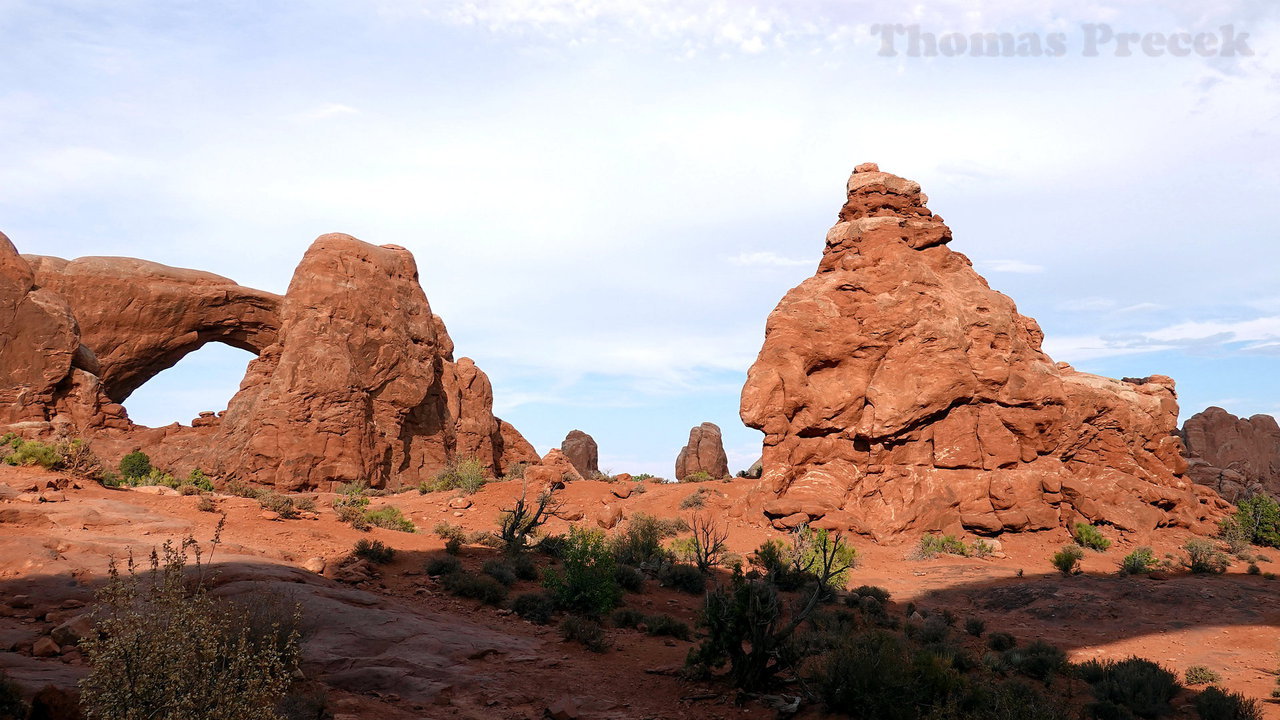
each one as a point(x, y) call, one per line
point(897, 391)
point(582, 451)
point(355, 378)
point(1236, 456)
point(703, 453)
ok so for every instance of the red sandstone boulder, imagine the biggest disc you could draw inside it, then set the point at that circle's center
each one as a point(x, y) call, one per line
point(703, 453)
point(1235, 456)
point(897, 387)
point(581, 450)
point(552, 472)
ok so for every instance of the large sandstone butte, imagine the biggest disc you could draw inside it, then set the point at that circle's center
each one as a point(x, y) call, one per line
point(1236, 456)
point(897, 391)
point(703, 453)
point(355, 378)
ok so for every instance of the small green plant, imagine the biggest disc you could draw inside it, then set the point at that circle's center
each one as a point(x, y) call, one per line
point(351, 505)
point(630, 579)
point(1203, 556)
point(682, 577)
point(33, 453)
point(1001, 641)
point(982, 549)
point(1067, 560)
point(441, 565)
point(206, 504)
point(1200, 675)
point(586, 583)
point(536, 607)
point(1039, 660)
point(1258, 520)
point(975, 626)
point(931, 546)
point(697, 476)
point(586, 632)
point(695, 500)
point(1215, 704)
point(1139, 686)
point(200, 480)
point(282, 505)
point(374, 551)
point(135, 465)
point(500, 570)
point(467, 475)
point(476, 587)
point(661, 625)
point(389, 518)
point(1088, 536)
point(1139, 562)
point(639, 544)
point(1253, 569)
point(236, 488)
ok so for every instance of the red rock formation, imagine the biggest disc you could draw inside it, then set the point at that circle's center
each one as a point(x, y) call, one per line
point(552, 472)
point(897, 391)
point(703, 453)
point(1235, 456)
point(582, 451)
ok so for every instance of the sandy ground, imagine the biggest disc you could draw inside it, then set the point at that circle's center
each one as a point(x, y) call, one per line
point(399, 647)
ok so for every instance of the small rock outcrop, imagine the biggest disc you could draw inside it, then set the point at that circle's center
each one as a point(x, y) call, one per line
point(703, 453)
point(897, 391)
point(1236, 456)
point(581, 450)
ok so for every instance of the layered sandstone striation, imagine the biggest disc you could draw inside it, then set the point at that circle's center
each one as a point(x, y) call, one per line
point(1236, 456)
point(355, 378)
point(704, 453)
point(897, 391)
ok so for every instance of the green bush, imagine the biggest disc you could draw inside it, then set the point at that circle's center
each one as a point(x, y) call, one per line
point(814, 549)
point(745, 630)
point(1215, 704)
point(536, 607)
point(389, 518)
point(666, 626)
point(627, 618)
point(239, 489)
point(586, 582)
point(1139, 562)
point(1258, 518)
point(682, 577)
point(374, 551)
point(500, 570)
point(1203, 556)
point(975, 626)
point(135, 465)
point(878, 593)
point(1067, 560)
point(630, 579)
point(934, 545)
point(467, 475)
point(440, 565)
point(200, 480)
point(1090, 537)
point(586, 632)
point(524, 567)
point(1001, 641)
point(206, 504)
point(167, 650)
point(32, 453)
point(697, 477)
point(476, 587)
point(352, 505)
point(1200, 675)
point(1039, 660)
point(876, 675)
point(1137, 685)
point(694, 501)
point(277, 503)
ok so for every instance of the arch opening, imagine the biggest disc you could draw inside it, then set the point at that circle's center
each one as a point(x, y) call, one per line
point(203, 380)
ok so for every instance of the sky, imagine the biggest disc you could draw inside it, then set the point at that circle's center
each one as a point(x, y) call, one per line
point(606, 199)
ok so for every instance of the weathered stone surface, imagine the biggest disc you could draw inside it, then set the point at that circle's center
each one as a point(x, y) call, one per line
point(551, 472)
point(703, 453)
point(581, 450)
point(1235, 456)
point(897, 387)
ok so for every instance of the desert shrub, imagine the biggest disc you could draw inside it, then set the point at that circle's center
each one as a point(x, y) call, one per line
point(707, 545)
point(158, 477)
point(824, 555)
point(931, 546)
point(640, 543)
point(199, 479)
point(515, 471)
point(682, 577)
point(1039, 660)
point(32, 453)
point(1088, 536)
point(389, 518)
point(12, 706)
point(188, 490)
point(1215, 704)
point(167, 650)
point(1067, 560)
point(661, 625)
point(374, 551)
point(586, 582)
point(467, 475)
point(1253, 569)
point(1258, 519)
point(586, 632)
point(439, 565)
point(879, 593)
point(975, 626)
point(240, 489)
point(500, 571)
point(1001, 641)
point(524, 567)
point(1139, 562)
point(697, 477)
point(629, 578)
point(694, 500)
point(206, 504)
point(876, 675)
point(642, 477)
point(79, 459)
point(135, 465)
point(745, 630)
point(1200, 675)
point(521, 521)
point(981, 549)
point(449, 531)
point(552, 545)
point(277, 503)
point(1140, 686)
point(1203, 556)
point(351, 506)
point(536, 607)
point(305, 701)
point(476, 587)
point(625, 617)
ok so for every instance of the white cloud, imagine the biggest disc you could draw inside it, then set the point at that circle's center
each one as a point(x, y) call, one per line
point(1259, 335)
point(767, 258)
point(1012, 266)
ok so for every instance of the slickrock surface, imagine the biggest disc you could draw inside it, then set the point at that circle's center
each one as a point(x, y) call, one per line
point(898, 391)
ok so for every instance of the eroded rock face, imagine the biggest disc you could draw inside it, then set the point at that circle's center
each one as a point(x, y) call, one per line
point(581, 450)
point(703, 453)
point(1236, 456)
point(355, 378)
point(897, 391)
